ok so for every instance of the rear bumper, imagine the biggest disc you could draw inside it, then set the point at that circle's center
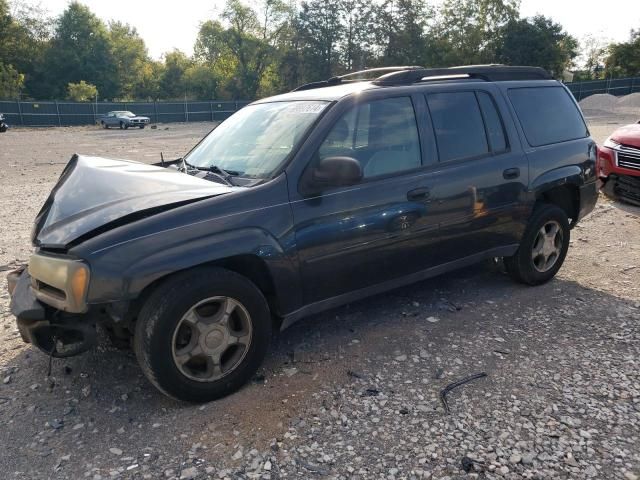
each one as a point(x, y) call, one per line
point(52, 331)
point(588, 199)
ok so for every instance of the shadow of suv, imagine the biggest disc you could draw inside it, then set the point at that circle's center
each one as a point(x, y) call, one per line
point(301, 202)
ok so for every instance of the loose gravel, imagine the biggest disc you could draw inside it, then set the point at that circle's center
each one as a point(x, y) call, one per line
point(354, 392)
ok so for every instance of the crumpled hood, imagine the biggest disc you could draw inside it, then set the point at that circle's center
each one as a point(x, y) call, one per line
point(628, 135)
point(94, 192)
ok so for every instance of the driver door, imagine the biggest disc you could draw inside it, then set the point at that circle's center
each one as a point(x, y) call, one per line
point(349, 238)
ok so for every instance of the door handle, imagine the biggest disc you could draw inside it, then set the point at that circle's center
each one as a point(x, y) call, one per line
point(511, 173)
point(418, 194)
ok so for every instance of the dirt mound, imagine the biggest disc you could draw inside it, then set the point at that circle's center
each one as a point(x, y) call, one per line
point(599, 101)
point(603, 105)
point(629, 101)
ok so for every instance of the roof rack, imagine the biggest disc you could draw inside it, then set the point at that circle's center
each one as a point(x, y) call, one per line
point(345, 78)
point(407, 75)
point(489, 73)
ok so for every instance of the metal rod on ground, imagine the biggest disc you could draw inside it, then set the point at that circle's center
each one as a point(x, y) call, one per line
point(451, 386)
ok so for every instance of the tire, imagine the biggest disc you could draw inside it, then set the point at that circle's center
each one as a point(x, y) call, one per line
point(141, 127)
point(534, 267)
point(162, 334)
point(104, 125)
point(121, 125)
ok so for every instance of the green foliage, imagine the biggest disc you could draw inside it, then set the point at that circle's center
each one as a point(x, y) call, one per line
point(172, 82)
point(466, 29)
point(80, 50)
point(81, 91)
point(129, 56)
point(624, 58)
point(264, 47)
point(536, 41)
point(11, 82)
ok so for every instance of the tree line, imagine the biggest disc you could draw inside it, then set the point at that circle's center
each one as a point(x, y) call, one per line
point(271, 46)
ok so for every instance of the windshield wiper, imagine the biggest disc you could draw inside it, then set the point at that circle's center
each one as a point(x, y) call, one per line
point(226, 175)
point(221, 171)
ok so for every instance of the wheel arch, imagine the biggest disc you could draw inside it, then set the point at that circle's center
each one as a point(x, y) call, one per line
point(250, 252)
point(566, 197)
point(561, 187)
point(249, 266)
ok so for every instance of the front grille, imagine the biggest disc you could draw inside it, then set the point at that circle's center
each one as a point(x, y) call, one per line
point(628, 157)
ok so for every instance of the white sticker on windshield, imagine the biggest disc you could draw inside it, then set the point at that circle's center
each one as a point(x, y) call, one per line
point(304, 107)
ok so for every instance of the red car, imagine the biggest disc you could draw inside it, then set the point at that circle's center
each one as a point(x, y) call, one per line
point(618, 165)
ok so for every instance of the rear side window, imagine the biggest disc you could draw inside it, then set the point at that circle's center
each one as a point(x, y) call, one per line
point(547, 115)
point(458, 125)
point(493, 122)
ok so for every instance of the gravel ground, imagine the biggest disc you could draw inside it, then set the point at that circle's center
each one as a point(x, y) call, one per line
point(353, 392)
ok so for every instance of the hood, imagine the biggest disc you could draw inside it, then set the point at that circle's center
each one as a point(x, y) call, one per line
point(627, 135)
point(97, 193)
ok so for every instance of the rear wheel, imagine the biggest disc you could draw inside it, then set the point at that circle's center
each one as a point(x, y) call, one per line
point(202, 334)
point(543, 248)
point(121, 125)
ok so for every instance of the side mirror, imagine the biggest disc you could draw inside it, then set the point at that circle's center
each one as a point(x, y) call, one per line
point(336, 172)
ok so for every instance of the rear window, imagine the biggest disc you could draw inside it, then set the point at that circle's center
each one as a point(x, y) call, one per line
point(547, 115)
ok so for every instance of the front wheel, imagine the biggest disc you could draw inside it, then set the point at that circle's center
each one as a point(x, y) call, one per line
point(141, 127)
point(202, 334)
point(543, 247)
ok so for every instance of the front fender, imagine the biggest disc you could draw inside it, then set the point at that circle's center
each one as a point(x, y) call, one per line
point(125, 282)
point(246, 241)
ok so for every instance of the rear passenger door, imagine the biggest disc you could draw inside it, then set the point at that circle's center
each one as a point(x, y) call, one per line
point(482, 177)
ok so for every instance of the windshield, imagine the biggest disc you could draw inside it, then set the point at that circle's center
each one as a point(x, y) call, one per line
point(257, 139)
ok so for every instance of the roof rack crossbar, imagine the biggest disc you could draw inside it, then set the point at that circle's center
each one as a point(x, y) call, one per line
point(346, 77)
point(380, 69)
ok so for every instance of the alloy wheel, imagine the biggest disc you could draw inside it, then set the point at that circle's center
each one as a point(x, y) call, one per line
point(547, 246)
point(212, 339)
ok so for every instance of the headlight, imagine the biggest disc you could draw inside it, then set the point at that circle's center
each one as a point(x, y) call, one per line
point(611, 144)
point(60, 282)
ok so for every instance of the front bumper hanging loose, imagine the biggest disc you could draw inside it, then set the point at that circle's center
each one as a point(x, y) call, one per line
point(52, 331)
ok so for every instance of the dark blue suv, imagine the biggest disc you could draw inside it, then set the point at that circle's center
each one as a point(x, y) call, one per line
point(301, 202)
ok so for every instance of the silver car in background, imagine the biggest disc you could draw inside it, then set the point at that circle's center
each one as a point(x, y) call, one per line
point(123, 119)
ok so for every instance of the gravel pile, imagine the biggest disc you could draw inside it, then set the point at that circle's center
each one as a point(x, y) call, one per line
point(602, 104)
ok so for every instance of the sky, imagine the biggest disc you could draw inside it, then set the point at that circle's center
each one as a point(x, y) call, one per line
point(166, 25)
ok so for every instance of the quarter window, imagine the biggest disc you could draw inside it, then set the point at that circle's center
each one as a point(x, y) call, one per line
point(382, 135)
point(458, 125)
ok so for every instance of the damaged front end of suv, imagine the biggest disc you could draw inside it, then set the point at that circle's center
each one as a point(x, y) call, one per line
point(115, 238)
point(51, 297)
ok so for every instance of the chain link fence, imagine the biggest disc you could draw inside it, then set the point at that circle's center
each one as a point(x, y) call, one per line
point(64, 113)
point(612, 86)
